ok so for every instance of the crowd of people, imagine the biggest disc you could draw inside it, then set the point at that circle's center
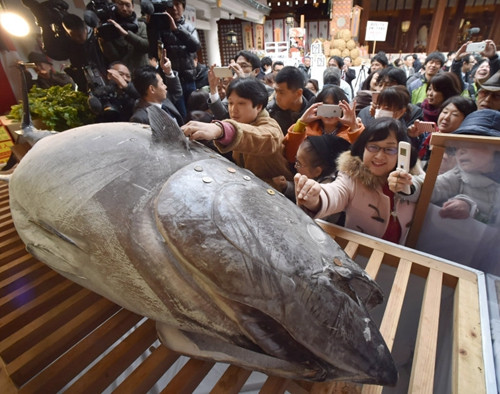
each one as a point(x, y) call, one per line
point(270, 119)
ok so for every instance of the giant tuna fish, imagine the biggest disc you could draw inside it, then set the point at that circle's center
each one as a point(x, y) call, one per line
point(229, 268)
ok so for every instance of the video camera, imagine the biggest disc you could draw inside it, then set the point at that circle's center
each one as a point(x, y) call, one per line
point(103, 98)
point(97, 14)
point(156, 8)
point(49, 15)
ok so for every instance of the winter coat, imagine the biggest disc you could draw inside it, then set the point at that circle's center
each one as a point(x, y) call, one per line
point(481, 193)
point(258, 147)
point(131, 49)
point(359, 193)
point(181, 47)
point(298, 133)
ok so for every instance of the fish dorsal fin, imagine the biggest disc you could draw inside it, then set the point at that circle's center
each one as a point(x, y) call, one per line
point(165, 129)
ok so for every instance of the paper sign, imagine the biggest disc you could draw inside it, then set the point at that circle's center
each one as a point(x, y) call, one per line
point(376, 31)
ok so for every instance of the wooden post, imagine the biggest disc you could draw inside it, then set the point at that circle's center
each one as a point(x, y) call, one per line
point(436, 25)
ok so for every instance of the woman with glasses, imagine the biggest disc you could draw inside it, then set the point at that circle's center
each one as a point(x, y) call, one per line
point(368, 186)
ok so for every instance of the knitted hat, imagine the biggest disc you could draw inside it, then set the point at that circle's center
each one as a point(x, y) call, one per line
point(329, 147)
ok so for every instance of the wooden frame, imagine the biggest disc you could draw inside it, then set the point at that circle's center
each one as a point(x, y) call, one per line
point(55, 335)
point(439, 142)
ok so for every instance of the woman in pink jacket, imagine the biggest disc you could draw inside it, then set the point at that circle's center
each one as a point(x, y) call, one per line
point(368, 187)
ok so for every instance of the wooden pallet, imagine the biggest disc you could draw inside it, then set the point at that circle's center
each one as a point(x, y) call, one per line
point(57, 336)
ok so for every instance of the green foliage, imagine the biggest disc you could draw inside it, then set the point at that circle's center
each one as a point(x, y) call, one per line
point(59, 107)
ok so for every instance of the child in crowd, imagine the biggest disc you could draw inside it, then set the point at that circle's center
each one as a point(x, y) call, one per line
point(317, 159)
point(368, 187)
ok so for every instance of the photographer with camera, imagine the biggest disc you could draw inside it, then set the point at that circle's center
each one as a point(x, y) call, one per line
point(114, 100)
point(168, 27)
point(87, 61)
point(122, 37)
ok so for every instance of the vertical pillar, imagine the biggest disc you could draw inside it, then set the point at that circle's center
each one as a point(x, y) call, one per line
point(212, 38)
point(365, 15)
point(452, 43)
point(415, 22)
point(436, 26)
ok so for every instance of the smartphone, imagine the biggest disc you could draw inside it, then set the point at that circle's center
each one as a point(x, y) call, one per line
point(160, 47)
point(223, 72)
point(426, 127)
point(404, 154)
point(329, 111)
point(476, 46)
point(375, 97)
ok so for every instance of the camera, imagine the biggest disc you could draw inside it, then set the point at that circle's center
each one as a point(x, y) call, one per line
point(97, 15)
point(103, 98)
point(155, 8)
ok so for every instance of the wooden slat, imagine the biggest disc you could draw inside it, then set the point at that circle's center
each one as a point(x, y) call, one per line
point(392, 312)
point(231, 381)
point(274, 385)
point(374, 263)
point(25, 284)
point(189, 377)
point(351, 249)
point(63, 370)
point(468, 362)
point(424, 360)
point(149, 372)
point(44, 351)
point(106, 370)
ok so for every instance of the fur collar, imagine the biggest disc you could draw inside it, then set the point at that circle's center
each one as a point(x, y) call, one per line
point(354, 167)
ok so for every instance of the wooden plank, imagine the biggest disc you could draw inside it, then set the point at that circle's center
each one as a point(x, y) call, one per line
point(66, 368)
point(351, 249)
point(37, 324)
point(468, 363)
point(374, 263)
point(31, 309)
point(189, 377)
point(231, 381)
point(26, 284)
point(390, 321)
point(395, 250)
point(144, 377)
point(336, 387)
point(424, 360)
point(49, 348)
point(106, 370)
point(274, 385)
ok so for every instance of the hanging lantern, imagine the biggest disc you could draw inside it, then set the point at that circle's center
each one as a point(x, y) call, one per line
point(232, 37)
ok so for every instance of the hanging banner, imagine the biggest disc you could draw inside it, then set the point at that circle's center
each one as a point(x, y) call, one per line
point(248, 32)
point(297, 41)
point(259, 37)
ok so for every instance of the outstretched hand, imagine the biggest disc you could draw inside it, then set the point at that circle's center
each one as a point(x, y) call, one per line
point(307, 192)
point(398, 179)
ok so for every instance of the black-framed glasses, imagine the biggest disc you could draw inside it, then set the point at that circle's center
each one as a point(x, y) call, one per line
point(372, 148)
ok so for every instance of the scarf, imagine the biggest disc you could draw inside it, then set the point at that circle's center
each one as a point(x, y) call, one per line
point(431, 113)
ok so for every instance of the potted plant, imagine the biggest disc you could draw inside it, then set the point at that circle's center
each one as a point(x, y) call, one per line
point(58, 108)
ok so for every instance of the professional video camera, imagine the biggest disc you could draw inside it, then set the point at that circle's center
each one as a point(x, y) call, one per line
point(103, 98)
point(99, 12)
point(156, 8)
point(49, 15)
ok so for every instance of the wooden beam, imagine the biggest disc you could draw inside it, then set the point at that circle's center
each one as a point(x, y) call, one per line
point(455, 24)
point(415, 21)
point(436, 26)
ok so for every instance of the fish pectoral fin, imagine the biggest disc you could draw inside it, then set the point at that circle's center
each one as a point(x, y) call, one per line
point(50, 229)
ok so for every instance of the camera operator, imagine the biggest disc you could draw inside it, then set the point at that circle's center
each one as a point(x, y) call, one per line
point(114, 101)
point(179, 38)
point(122, 36)
point(83, 52)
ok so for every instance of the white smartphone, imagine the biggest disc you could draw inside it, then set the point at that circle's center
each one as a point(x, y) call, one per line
point(476, 46)
point(223, 72)
point(329, 111)
point(404, 153)
point(426, 127)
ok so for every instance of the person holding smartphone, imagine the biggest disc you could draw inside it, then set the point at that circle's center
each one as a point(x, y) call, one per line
point(368, 187)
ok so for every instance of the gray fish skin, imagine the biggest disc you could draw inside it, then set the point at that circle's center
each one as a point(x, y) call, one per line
point(228, 268)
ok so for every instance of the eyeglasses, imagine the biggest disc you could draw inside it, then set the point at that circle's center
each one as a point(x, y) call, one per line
point(494, 95)
point(298, 164)
point(375, 149)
